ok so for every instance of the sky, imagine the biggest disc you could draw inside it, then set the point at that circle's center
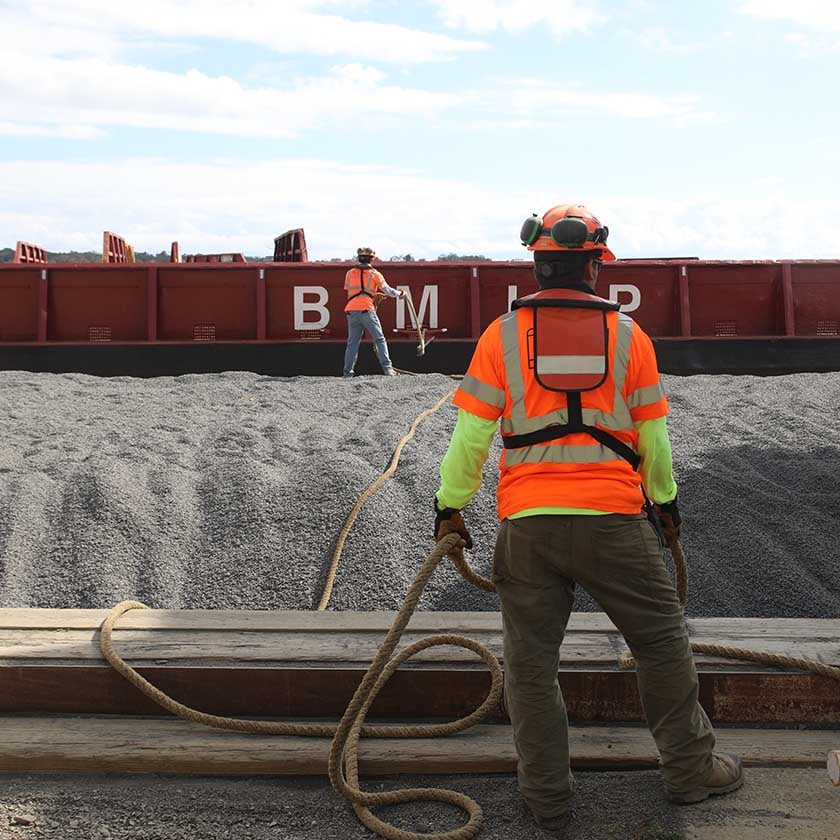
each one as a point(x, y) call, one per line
point(703, 128)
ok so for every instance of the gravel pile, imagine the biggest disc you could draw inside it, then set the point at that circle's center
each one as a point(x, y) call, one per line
point(229, 490)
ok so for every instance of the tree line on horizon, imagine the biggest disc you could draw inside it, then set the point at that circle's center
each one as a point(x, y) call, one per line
point(8, 254)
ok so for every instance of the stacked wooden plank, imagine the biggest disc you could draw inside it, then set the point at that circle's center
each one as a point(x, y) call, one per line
point(59, 698)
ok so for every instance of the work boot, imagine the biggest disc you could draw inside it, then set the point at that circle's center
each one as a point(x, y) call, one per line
point(555, 827)
point(725, 775)
point(390, 372)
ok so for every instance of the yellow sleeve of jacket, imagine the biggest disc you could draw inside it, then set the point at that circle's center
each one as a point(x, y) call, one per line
point(460, 470)
point(656, 468)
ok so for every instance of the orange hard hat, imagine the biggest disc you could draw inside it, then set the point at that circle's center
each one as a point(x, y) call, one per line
point(566, 227)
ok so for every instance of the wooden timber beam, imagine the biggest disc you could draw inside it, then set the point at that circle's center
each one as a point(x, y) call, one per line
point(740, 697)
point(301, 663)
point(144, 745)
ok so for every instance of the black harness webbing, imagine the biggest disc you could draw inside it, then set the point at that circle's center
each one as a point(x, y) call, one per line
point(575, 424)
point(364, 291)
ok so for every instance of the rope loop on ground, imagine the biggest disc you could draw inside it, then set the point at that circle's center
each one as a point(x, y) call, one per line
point(343, 765)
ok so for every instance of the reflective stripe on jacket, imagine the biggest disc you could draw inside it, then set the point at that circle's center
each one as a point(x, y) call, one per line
point(575, 470)
point(361, 283)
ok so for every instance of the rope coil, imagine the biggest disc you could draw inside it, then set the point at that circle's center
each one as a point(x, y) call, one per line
point(343, 764)
point(343, 767)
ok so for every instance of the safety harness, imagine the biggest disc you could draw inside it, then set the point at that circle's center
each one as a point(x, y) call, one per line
point(364, 291)
point(569, 374)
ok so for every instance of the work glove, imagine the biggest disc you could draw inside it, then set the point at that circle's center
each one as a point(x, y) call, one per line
point(669, 517)
point(450, 521)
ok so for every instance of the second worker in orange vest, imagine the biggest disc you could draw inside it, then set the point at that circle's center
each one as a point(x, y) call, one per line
point(572, 384)
point(362, 284)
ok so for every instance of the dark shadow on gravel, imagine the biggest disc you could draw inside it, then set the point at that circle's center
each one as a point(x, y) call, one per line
point(761, 532)
point(761, 535)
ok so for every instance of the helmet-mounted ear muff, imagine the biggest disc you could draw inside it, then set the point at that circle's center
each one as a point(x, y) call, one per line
point(531, 230)
point(568, 232)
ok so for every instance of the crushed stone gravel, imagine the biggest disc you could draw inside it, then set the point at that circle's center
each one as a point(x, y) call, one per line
point(229, 490)
point(774, 804)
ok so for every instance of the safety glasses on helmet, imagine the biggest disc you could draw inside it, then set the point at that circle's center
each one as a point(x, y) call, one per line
point(568, 232)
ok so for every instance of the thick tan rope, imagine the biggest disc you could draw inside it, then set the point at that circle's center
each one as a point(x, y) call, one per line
point(362, 501)
point(724, 651)
point(343, 761)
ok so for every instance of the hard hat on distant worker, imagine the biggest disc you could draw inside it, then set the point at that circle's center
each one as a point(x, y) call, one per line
point(365, 251)
point(566, 227)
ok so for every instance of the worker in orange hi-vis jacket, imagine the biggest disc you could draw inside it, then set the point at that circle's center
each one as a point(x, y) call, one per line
point(586, 496)
point(362, 284)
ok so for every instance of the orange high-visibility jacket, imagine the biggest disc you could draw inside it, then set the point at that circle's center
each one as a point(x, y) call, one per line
point(361, 283)
point(524, 367)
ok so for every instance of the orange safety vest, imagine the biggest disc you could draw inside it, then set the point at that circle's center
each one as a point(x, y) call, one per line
point(554, 370)
point(361, 283)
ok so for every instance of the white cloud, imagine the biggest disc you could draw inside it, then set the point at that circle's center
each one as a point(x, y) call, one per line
point(546, 100)
point(70, 132)
point(46, 95)
point(79, 97)
point(817, 44)
point(659, 39)
point(813, 14)
point(240, 206)
point(481, 16)
point(105, 27)
point(773, 223)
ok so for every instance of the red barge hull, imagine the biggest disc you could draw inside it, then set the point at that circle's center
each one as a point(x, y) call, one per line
point(287, 319)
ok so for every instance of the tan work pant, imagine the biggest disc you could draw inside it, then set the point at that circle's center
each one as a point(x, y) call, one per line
point(617, 558)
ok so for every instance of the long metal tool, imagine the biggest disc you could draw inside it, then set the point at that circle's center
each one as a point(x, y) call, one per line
point(421, 333)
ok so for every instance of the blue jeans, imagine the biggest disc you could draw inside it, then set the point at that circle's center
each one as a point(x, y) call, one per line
point(357, 323)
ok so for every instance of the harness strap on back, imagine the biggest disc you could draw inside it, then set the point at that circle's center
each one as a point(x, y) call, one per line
point(574, 426)
point(364, 291)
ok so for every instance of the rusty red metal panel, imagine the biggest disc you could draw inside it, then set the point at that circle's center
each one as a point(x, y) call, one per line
point(261, 305)
point(475, 301)
point(306, 301)
point(26, 252)
point(98, 304)
point(502, 283)
point(43, 304)
point(647, 293)
point(816, 298)
point(441, 297)
point(207, 303)
point(19, 289)
point(736, 299)
point(683, 295)
point(215, 258)
point(152, 303)
point(290, 246)
point(788, 319)
point(115, 249)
